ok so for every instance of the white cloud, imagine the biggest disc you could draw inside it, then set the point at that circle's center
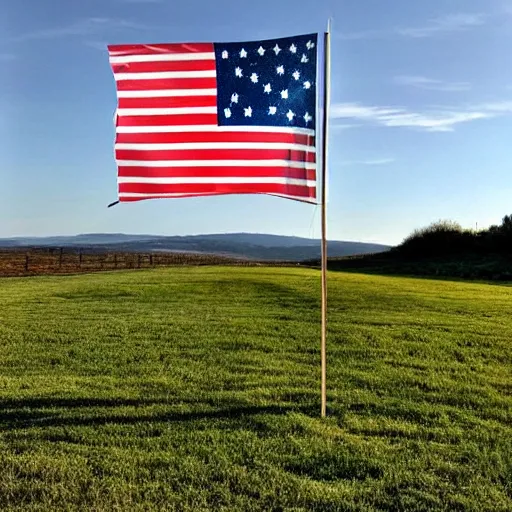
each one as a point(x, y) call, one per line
point(343, 126)
point(439, 120)
point(83, 27)
point(450, 23)
point(499, 107)
point(445, 24)
point(421, 82)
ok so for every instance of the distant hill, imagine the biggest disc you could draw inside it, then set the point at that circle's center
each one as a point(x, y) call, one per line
point(245, 245)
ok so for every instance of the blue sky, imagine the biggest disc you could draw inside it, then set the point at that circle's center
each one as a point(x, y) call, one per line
point(421, 115)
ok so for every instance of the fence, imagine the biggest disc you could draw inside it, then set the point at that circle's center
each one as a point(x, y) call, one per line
point(52, 260)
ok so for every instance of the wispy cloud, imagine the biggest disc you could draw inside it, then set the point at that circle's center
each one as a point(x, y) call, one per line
point(421, 82)
point(498, 107)
point(450, 23)
point(442, 25)
point(85, 27)
point(343, 126)
point(431, 120)
point(377, 161)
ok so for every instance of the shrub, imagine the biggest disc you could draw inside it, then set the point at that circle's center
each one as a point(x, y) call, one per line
point(439, 238)
point(446, 237)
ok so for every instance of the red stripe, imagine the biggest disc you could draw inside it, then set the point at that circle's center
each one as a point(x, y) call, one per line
point(214, 136)
point(206, 172)
point(177, 120)
point(157, 196)
point(217, 188)
point(149, 49)
point(310, 198)
point(168, 102)
point(167, 83)
point(217, 154)
point(153, 67)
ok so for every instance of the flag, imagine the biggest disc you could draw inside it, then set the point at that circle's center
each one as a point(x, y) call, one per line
point(198, 119)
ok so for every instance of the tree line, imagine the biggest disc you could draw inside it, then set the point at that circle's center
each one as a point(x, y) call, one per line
point(447, 237)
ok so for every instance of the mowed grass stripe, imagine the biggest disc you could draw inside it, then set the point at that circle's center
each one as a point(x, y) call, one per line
point(198, 389)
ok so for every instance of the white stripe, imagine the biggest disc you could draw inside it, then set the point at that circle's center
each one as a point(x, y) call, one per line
point(217, 163)
point(162, 57)
point(214, 128)
point(165, 111)
point(219, 180)
point(209, 73)
point(215, 145)
point(167, 93)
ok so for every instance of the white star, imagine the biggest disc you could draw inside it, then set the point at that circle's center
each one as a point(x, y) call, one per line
point(276, 49)
point(261, 51)
point(310, 45)
point(248, 112)
point(293, 48)
point(290, 115)
point(243, 53)
point(280, 70)
point(254, 78)
point(272, 111)
point(307, 85)
point(227, 112)
point(225, 54)
point(296, 75)
point(267, 89)
point(284, 94)
point(234, 98)
point(239, 73)
point(304, 58)
point(307, 118)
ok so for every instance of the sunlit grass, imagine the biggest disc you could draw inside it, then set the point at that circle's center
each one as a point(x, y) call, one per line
point(198, 389)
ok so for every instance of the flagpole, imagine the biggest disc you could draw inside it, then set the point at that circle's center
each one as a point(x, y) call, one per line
point(327, 93)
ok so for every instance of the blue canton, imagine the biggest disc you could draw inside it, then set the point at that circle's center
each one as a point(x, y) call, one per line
point(267, 83)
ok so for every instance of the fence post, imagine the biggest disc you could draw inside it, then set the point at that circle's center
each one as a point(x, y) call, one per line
point(151, 259)
point(115, 260)
point(26, 263)
point(80, 258)
point(138, 260)
point(60, 258)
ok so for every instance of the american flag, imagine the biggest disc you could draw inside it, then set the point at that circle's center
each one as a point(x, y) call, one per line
point(216, 118)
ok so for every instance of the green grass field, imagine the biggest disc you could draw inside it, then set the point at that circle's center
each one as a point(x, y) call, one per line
point(198, 389)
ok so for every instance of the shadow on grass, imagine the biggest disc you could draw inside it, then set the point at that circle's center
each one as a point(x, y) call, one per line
point(57, 412)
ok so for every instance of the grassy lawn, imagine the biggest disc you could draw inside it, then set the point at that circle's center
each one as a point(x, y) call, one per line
point(198, 389)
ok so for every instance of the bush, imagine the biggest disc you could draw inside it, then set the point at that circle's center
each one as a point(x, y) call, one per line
point(447, 237)
point(442, 237)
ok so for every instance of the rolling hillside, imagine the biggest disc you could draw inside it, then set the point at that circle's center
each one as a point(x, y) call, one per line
point(245, 245)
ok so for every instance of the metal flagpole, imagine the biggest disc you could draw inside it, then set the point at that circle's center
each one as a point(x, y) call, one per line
point(327, 92)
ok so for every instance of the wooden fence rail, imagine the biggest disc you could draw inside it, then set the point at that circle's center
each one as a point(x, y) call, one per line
point(36, 261)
